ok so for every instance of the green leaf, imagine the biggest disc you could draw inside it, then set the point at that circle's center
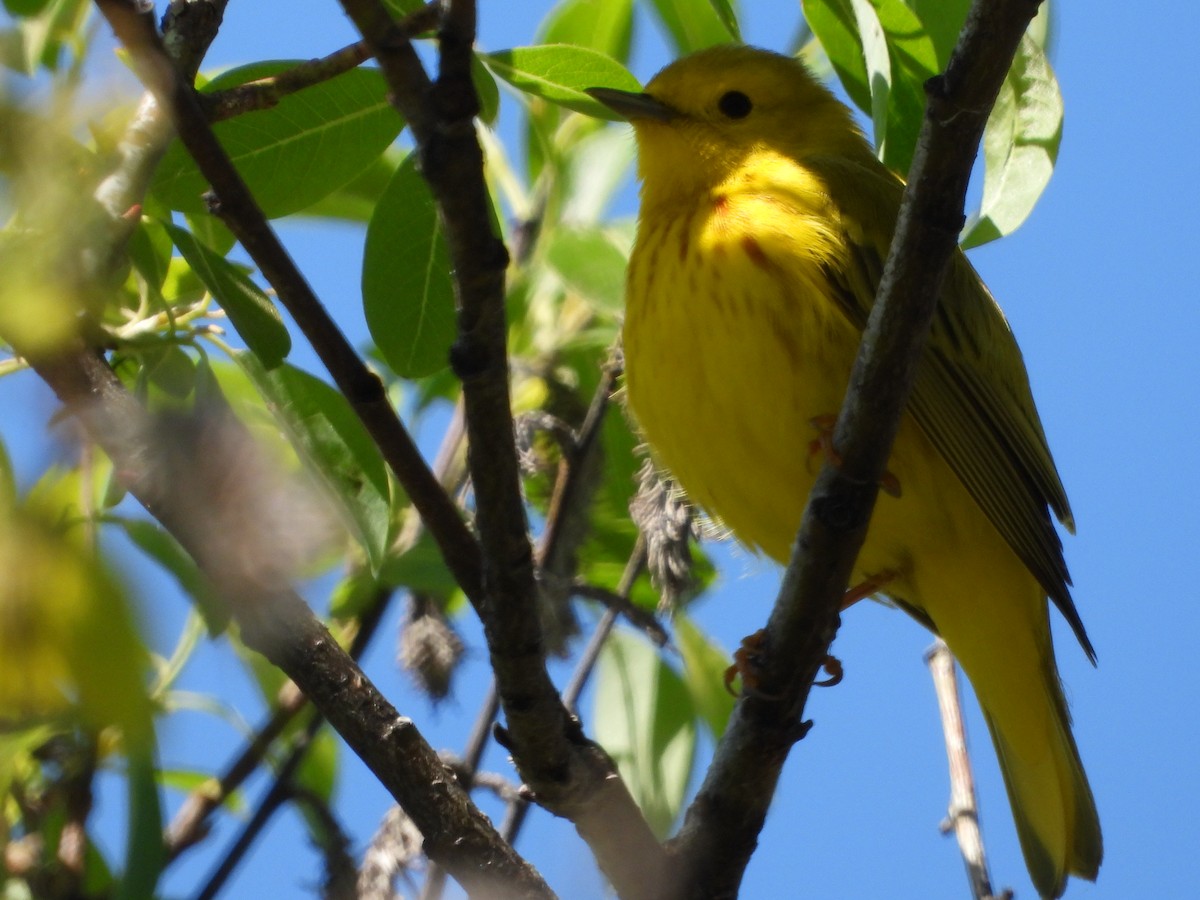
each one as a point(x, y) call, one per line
point(561, 73)
point(590, 264)
point(604, 27)
point(879, 65)
point(704, 666)
point(336, 447)
point(646, 721)
point(355, 202)
point(311, 143)
point(883, 57)
point(695, 24)
point(162, 547)
point(249, 309)
point(943, 20)
point(835, 27)
point(145, 855)
point(1020, 146)
point(408, 295)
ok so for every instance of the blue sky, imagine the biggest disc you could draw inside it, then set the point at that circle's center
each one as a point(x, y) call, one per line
point(1100, 287)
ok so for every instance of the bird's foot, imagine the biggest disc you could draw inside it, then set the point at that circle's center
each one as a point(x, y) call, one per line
point(747, 663)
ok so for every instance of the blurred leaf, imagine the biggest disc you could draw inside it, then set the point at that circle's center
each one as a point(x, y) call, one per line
point(162, 547)
point(188, 781)
point(249, 309)
point(589, 263)
point(25, 7)
point(40, 32)
point(311, 143)
point(604, 27)
point(1020, 146)
point(1043, 29)
point(338, 449)
point(421, 568)
point(694, 24)
point(169, 369)
point(352, 594)
point(725, 12)
point(8, 482)
point(211, 231)
point(69, 644)
point(150, 251)
point(170, 668)
point(318, 770)
point(646, 721)
point(403, 7)
point(408, 295)
point(704, 665)
point(561, 73)
point(145, 855)
point(596, 167)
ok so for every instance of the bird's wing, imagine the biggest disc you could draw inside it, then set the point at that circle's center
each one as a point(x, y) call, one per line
point(971, 395)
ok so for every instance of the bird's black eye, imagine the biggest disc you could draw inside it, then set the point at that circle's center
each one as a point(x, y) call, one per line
point(735, 105)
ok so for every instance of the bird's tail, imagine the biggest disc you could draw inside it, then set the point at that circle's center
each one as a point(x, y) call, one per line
point(1051, 800)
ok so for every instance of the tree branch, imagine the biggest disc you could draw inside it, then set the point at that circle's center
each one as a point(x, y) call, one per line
point(570, 775)
point(963, 817)
point(265, 93)
point(722, 825)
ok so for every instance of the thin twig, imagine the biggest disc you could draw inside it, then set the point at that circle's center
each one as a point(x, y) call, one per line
point(587, 661)
point(644, 620)
point(265, 93)
point(963, 816)
point(722, 825)
point(276, 796)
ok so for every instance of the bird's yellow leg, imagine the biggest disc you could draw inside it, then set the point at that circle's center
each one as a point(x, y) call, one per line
point(823, 444)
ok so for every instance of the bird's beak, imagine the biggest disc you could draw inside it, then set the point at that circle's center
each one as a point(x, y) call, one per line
point(631, 106)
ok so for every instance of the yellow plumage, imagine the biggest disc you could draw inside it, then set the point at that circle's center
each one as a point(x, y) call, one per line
point(764, 224)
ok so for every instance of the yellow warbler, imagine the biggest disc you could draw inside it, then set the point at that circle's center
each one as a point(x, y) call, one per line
point(765, 220)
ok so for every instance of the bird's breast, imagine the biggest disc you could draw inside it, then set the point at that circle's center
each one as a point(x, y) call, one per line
point(732, 348)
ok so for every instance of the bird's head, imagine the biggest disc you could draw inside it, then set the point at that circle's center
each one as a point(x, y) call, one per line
point(704, 118)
